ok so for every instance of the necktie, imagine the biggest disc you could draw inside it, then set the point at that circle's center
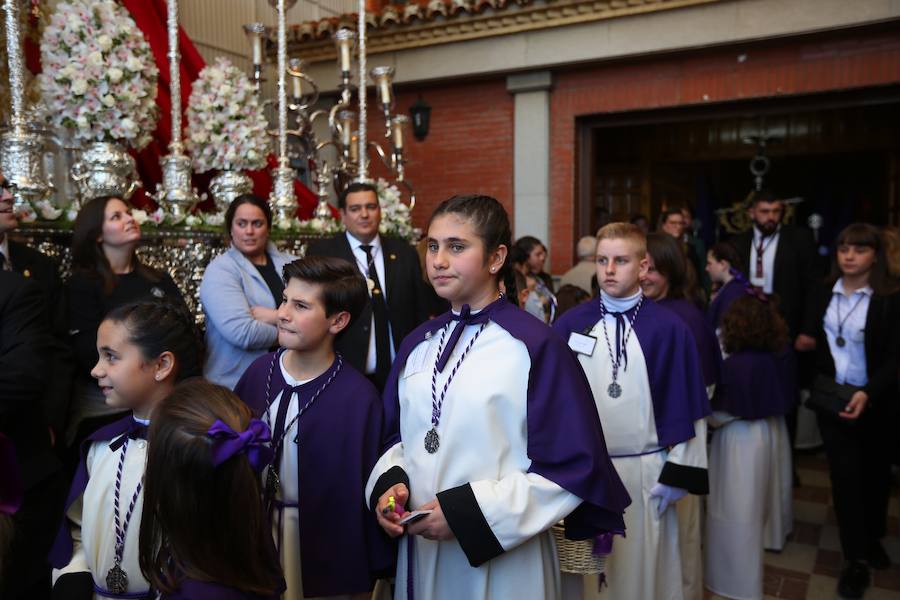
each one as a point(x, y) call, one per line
point(382, 318)
point(465, 317)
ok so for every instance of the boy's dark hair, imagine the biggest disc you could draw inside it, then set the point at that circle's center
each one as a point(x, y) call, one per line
point(568, 297)
point(247, 199)
point(727, 252)
point(763, 195)
point(664, 215)
point(343, 288)
point(527, 243)
point(864, 234)
point(202, 521)
point(491, 223)
point(356, 186)
point(752, 324)
point(157, 326)
point(87, 254)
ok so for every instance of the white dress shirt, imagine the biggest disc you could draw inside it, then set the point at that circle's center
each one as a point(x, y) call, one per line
point(849, 360)
point(362, 262)
point(770, 247)
point(4, 250)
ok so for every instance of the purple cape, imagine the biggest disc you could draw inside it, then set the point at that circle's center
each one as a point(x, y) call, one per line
point(756, 384)
point(676, 380)
point(193, 589)
point(61, 552)
point(704, 337)
point(339, 445)
point(565, 439)
point(730, 292)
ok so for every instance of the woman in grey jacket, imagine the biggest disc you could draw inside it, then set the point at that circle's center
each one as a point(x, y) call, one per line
point(241, 291)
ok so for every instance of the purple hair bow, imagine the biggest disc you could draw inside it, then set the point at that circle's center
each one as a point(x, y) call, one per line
point(254, 441)
point(749, 288)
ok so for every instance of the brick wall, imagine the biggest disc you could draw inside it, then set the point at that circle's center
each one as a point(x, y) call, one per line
point(842, 60)
point(469, 147)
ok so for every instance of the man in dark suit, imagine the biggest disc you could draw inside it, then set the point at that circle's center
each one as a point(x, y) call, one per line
point(24, 343)
point(33, 265)
point(780, 260)
point(394, 278)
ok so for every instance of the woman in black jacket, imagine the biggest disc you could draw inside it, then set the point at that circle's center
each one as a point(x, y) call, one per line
point(854, 395)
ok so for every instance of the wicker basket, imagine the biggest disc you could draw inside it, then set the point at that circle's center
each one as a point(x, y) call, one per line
point(577, 556)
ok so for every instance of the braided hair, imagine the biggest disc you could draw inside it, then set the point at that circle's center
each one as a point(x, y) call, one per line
point(491, 223)
point(157, 326)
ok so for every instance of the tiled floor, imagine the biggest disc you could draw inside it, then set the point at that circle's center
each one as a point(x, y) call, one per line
point(809, 565)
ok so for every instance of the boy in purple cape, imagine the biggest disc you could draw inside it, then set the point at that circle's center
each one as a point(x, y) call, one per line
point(326, 421)
point(644, 371)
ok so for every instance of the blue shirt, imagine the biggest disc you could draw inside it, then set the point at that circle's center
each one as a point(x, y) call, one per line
point(849, 359)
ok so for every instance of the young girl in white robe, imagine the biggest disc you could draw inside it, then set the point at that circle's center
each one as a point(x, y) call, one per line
point(491, 428)
point(144, 349)
point(753, 392)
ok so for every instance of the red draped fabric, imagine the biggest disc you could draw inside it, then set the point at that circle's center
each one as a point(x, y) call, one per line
point(150, 16)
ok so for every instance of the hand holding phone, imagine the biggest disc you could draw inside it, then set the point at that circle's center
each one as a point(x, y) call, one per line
point(414, 516)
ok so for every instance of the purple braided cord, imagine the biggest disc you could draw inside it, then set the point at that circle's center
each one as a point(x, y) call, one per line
point(435, 404)
point(121, 531)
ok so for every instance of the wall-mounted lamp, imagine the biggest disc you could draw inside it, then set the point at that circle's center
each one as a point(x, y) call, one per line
point(421, 118)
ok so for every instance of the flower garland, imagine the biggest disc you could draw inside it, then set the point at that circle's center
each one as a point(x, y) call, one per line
point(226, 128)
point(99, 76)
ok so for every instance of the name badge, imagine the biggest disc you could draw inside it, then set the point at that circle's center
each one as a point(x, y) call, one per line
point(582, 344)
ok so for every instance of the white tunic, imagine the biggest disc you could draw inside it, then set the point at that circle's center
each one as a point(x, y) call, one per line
point(780, 514)
point(740, 473)
point(92, 517)
point(289, 494)
point(646, 562)
point(483, 442)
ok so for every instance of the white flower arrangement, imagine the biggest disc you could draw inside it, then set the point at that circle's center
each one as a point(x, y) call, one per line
point(226, 127)
point(395, 216)
point(99, 76)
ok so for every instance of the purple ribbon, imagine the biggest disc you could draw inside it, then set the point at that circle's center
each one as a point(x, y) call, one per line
point(749, 288)
point(11, 488)
point(255, 442)
point(603, 542)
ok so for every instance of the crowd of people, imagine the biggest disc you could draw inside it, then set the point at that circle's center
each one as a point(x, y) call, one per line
point(351, 427)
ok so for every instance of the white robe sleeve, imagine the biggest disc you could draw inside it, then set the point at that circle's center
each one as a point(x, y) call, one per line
point(76, 578)
point(686, 464)
point(387, 472)
point(489, 517)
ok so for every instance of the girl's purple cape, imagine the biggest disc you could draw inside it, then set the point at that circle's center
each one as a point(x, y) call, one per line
point(676, 379)
point(342, 547)
point(193, 589)
point(565, 439)
point(757, 384)
point(11, 488)
point(704, 336)
point(61, 552)
point(730, 292)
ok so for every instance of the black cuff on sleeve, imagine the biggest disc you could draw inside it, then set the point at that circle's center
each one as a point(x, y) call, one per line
point(388, 479)
point(468, 524)
point(74, 586)
point(693, 479)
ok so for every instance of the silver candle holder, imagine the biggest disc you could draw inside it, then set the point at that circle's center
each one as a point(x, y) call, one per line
point(21, 148)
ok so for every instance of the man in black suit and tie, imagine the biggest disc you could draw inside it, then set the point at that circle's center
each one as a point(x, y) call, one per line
point(780, 261)
point(391, 269)
point(43, 271)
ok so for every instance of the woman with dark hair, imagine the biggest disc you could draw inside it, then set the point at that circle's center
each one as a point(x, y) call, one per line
point(723, 264)
point(241, 291)
point(106, 273)
point(212, 539)
point(743, 457)
point(666, 284)
point(854, 396)
point(528, 255)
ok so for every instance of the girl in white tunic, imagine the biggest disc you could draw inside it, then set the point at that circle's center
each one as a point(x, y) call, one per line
point(144, 348)
point(644, 371)
point(491, 428)
point(741, 461)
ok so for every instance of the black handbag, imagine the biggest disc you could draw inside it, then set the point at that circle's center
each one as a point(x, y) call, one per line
point(830, 397)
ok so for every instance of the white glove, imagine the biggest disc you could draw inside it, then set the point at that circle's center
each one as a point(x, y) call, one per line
point(667, 495)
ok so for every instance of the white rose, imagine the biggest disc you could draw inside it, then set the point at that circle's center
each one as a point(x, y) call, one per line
point(140, 216)
point(115, 75)
point(95, 59)
point(108, 100)
point(105, 42)
point(79, 86)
